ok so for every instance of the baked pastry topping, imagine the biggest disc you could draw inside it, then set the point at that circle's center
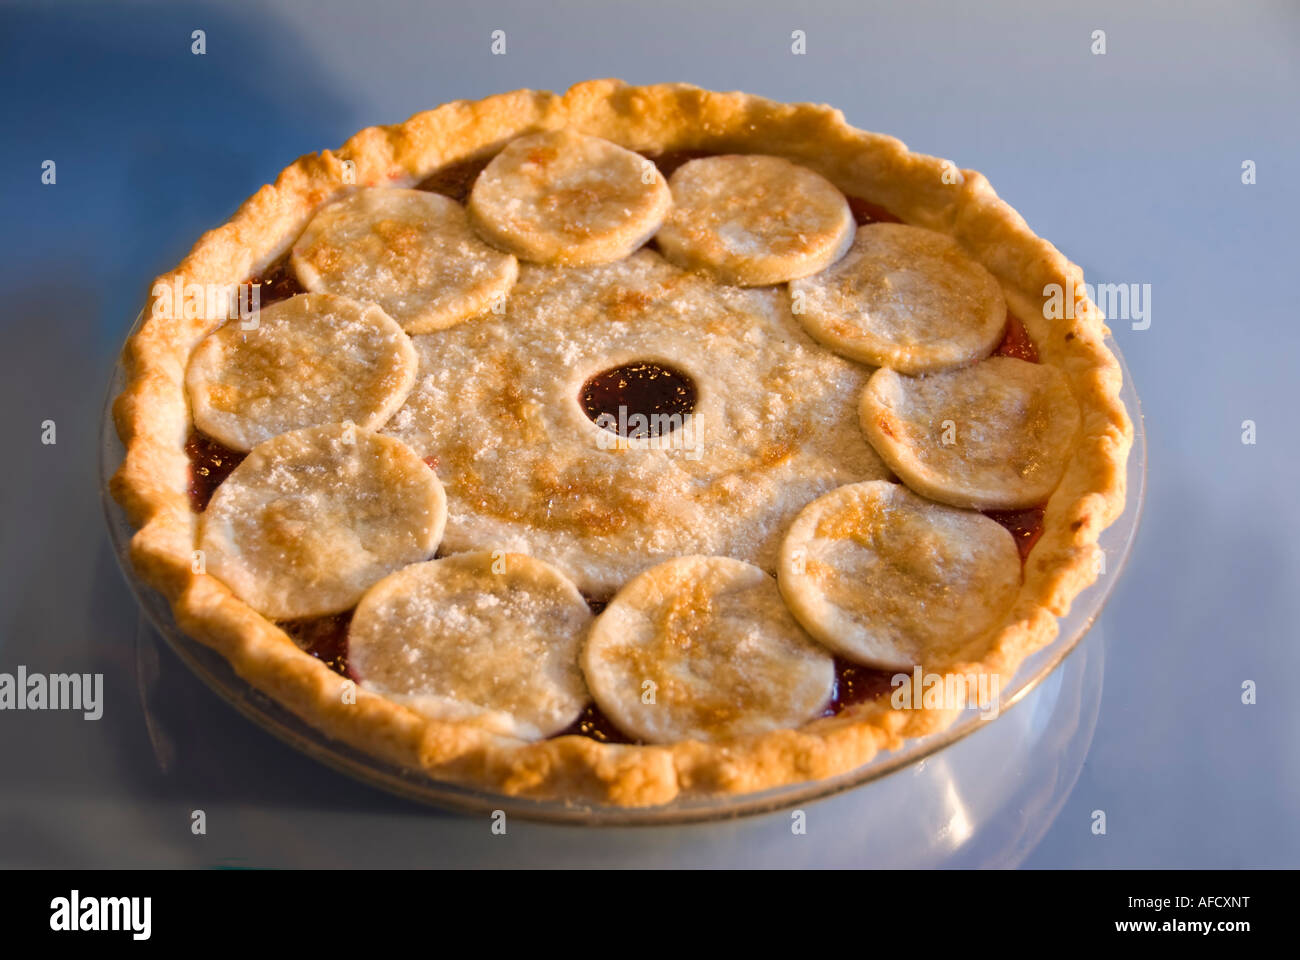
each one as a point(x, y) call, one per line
point(312, 518)
point(754, 220)
point(310, 360)
point(993, 436)
point(492, 637)
point(904, 298)
point(411, 252)
point(889, 579)
point(662, 505)
point(564, 197)
point(499, 404)
point(702, 648)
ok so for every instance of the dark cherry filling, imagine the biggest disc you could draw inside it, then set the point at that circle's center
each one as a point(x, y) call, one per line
point(864, 212)
point(596, 605)
point(645, 387)
point(277, 283)
point(210, 463)
point(325, 638)
point(670, 160)
point(593, 724)
point(1015, 341)
point(656, 394)
point(456, 179)
point(1025, 525)
point(856, 684)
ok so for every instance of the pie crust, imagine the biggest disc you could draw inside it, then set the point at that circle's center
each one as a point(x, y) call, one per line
point(248, 386)
point(153, 419)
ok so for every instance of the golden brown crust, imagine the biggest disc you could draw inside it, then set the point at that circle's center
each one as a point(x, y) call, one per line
point(153, 421)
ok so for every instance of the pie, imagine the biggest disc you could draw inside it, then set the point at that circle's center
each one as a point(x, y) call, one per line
point(620, 446)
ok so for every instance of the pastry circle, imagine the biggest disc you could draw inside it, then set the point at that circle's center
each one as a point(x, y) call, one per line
point(487, 637)
point(312, 359)
point(992, 436)
point(754, 220)
point(566, 197)
point(313, 517)
point(703, 648)
point(890, 580)
point(498, 404)
point(410, 251)
point(906, 298)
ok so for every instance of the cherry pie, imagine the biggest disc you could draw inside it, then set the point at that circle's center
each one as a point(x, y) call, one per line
point(622, 445)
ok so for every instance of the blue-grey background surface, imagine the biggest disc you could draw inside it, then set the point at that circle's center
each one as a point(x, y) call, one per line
point(1130, 162)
